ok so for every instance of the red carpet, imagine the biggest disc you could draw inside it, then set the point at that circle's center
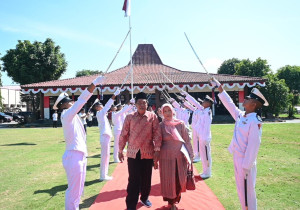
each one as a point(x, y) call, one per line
point(112, 195)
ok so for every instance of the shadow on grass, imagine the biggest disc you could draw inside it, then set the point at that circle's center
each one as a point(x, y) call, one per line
point(94, 156)
point(89, 167)
point(87, 202)
point(19, 144)
point(54, 190)
point(98, 155)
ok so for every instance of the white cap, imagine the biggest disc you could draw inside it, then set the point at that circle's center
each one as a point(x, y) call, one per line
point(200, 100)
point(62, 98)
point(256, 94)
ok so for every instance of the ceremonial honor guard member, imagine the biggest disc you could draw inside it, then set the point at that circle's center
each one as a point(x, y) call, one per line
point(142, 132)
point(83, 116)
point(245, 142)
point(181, 113)
point(105, 135)
point(203, 132)
point(74, 158)
point(195, 125)
point(118, 118)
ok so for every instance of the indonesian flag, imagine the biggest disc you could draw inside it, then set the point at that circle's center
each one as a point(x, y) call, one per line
point(127, 7)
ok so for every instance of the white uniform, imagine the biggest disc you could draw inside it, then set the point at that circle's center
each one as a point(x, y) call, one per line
point(82, 117)
point(195, 125)
point(54, 116)
point(74, 159)
point(105, 137)
point(181, 113)
point(203, 119)
point(244, 147)
point(204, 134)
point(118, 120)
point(185, 116)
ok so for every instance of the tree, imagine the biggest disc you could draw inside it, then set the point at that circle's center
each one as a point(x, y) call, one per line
point(228, 66)
point(86, 72)
point(291, 75)
point(276, 93)
point(34, 62)
point(37, 62)
point(258, 68)
point(1, 105)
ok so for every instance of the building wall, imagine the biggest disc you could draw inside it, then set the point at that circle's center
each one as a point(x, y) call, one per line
point(11, 97)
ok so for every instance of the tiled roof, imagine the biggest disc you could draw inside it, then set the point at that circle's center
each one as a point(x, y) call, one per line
point(146, 70)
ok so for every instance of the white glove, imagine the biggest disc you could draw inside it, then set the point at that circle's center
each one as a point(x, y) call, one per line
point(99, 80)
point(171, 100)
point(180, 98)
point(132, 101)
point(118, 91)
point(214, 82)
point(246, 172)
point(184, 93)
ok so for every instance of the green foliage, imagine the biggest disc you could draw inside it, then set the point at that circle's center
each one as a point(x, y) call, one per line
point(257, 68)
point(245, 67)
point(228, 66)
point(34, 62)
point(291, 75)
point(86, 72)
point(276, 93)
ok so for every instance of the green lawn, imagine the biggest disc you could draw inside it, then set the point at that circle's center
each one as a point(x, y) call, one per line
point(286, 115)
point(32, 176)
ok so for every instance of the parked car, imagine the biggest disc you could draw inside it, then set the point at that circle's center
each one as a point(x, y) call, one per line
point(28, 116)
point(298, 109)
point(16, 117)
point(5, 118)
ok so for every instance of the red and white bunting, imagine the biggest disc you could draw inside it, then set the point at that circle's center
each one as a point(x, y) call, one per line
point(112, 89)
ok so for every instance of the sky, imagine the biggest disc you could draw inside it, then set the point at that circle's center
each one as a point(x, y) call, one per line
point(90, 32)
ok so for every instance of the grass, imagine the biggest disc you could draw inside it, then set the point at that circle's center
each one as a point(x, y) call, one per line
point(278, 176)
point(31, 172)
point(286, 115)
point(32, 175)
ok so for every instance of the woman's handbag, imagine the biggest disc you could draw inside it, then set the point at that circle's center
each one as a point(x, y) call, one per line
point(190, 180)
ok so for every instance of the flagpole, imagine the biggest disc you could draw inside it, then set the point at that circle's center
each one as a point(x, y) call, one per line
point(131, 66)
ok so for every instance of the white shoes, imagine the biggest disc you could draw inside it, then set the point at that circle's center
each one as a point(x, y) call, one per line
point(205, 176)
point(196, 160)
point(107, 178)
point(117, 161)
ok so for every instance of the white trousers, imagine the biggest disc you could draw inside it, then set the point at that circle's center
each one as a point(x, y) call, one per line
point(74, 163)
point(206, 161)
point(196, 144)
point(105, 154)
point(117, 134)
point(240, 183)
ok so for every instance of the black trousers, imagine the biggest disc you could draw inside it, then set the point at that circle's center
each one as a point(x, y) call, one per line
point(139, 180)
point(54, 124)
